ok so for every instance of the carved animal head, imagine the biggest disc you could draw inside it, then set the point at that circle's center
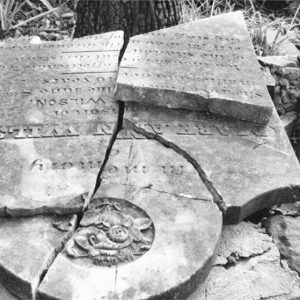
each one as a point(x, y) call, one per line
point(109, 236)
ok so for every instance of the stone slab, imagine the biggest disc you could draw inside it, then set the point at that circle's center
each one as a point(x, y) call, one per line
point(207, 65)
point(27, 247)
point(172, 252)
point(250, 166)
point(135, 160)
point(57, 119)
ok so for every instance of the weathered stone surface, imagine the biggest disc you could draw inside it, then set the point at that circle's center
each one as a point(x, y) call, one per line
point(246, 166)
point(135, 160)
point(27, 247)
point(177, 256)
point(248, 268)
point(207, 65)
point(5, 294)
point(57, 119)
point(285, 233)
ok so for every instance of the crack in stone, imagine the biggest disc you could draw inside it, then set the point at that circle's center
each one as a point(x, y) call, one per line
point(176, 195)
point(112, 140)
point(209, 185)
point(116, 278)
point(52, 256)
point(79, 215)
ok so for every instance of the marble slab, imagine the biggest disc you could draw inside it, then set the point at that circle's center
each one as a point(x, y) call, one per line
point(56, 121)
point(207, 65)
point(247, 166)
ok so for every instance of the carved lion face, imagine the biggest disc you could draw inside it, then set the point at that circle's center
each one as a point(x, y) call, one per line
point(110, 237)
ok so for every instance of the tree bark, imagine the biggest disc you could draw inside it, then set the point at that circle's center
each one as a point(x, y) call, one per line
point(132, 16)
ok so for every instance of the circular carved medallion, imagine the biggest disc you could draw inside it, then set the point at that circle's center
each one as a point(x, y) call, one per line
point(111, 232)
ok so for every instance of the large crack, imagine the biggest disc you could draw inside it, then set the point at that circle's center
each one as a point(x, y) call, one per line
point(74, 223)
point(168, 144)
point(112, 140)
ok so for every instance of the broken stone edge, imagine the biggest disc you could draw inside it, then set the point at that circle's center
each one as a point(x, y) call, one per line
point(219, 106)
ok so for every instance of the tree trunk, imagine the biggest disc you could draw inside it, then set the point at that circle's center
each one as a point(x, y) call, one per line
point(132, 16)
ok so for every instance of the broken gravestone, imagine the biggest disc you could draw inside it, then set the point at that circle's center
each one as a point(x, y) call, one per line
point(151, 202)
point(57, 119)
point(207, 65)
point(60, 123)
point(245, 165)
point(152, 230)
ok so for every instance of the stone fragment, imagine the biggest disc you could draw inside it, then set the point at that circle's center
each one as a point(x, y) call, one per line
point(243, 241)
point(278, 61)
point(259, 274)
point(207, 65)
point(57, 120)
point(167, 245)
point(245, 166)
point(285, 233)
point(27, 248)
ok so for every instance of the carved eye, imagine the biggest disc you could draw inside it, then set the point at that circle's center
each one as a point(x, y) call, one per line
point(117, 234)
point(92, 239)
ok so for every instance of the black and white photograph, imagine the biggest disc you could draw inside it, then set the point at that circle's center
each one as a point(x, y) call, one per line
point(149, 149)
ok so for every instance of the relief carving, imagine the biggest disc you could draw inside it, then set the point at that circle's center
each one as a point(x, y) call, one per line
point(110, 235)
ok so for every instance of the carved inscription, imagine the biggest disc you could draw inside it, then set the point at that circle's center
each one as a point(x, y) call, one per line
point(111, 234)
point(66, 130)
point(65, 101)
point(55, 131)
point(204, 128)
point(44, 67)
point(170, 170)
point(58, 83)
point(67, 55)
point(202, 42)
point(105, 41)
point(194, 60)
